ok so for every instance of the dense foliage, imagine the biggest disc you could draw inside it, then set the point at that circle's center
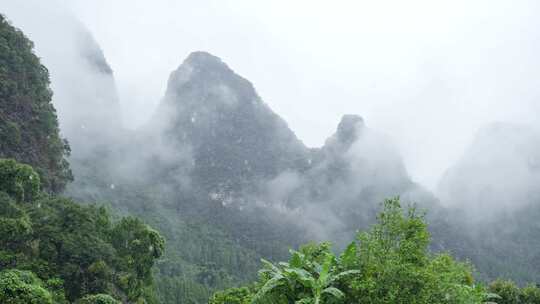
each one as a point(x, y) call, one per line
point(388, 264)
point(509, 293)
point(76, 251)
point(98, 299)
point(28, 125)
point(22, 287)
point(209, 247)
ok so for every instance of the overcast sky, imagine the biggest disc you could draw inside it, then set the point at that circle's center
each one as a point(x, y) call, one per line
point(427, 73)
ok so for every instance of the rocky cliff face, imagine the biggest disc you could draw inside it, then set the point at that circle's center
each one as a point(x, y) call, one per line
point(234, 137)
point(238, 144)
point(214, 138)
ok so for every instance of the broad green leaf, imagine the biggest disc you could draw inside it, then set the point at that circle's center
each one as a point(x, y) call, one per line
point(349, 256)
point(334, 291)
point(343, 274)
point(325, 271)
point(269, 286)
point(491, 295)
point(304, 277)
point(296, 259)
point(304, 301)
point(270, 266)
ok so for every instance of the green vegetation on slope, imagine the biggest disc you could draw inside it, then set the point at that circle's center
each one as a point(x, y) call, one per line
point(28, 125)
point(509, 293)
point(390, 263)
point(209, 246)
point(18, 286)
point(53, 248)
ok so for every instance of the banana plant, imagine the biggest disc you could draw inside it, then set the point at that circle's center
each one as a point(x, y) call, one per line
point(301, 280)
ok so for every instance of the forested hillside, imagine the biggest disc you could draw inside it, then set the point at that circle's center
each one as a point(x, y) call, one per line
point(28, 124)
point(227, 183)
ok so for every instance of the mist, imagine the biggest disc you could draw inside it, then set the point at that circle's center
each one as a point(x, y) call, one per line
point(426, 91)
point(428, 74)
point(497, 174)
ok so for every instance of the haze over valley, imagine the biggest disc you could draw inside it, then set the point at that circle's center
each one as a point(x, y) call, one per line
point(204, 137)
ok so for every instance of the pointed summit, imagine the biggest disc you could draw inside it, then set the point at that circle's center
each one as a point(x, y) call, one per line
point(199, 65)
point(204, 59)
point(348, 131)
point(349, 127)
point(91, 52)
point(235, 137)
point(203, 71)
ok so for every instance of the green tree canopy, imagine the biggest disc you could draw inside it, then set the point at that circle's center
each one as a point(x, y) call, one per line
point(75, 250)
point(97, 299)
point(509, 293)
point(18, 180)
point(22, 287)
point(137, 247)
point(390, 263)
